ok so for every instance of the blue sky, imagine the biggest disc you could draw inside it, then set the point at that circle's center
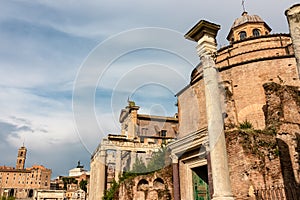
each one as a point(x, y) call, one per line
point(102, 52)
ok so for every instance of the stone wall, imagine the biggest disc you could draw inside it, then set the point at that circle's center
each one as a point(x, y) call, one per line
point(283, 113)
point(154, 186)
point(265, 161)
point(254, 162)
point(293, 16)
point(191, 109)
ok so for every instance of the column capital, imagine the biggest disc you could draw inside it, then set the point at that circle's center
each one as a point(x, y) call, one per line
point(295, 9)
point(204, 149)
point(204, 33)
point(206, 46)
point(174, 158)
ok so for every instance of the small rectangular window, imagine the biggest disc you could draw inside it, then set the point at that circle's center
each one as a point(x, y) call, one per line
point(144, 131)
point(163, 133)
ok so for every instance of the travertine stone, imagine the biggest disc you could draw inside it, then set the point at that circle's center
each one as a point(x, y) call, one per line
point(293, 16)
point(219, 163)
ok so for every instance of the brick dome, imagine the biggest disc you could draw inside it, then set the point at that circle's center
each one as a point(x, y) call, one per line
point(246, 24)
point(245, 18)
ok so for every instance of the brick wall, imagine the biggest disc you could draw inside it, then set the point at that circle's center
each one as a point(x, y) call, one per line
point(266, 161)
point(244, 67)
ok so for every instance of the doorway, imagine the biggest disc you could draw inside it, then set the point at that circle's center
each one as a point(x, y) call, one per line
point(11, 193)
point(200, 183)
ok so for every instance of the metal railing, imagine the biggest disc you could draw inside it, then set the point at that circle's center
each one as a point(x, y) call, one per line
point(278, 192)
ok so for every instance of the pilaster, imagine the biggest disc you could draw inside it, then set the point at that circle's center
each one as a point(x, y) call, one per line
point(293, 17)
point(176, 183)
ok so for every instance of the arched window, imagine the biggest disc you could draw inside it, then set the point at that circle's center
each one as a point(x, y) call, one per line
point(159, 184)
point(256, 32)
point(143, 185)
point(243, 35)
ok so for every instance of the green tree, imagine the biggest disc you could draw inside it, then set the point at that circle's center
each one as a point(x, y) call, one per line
point(8, 198)
point(109, 194)
point(82, 185)
point(68, 180)
point(139, 166)
point(157, 161)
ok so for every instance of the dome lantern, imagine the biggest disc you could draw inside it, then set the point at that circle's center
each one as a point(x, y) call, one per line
point(248, 26)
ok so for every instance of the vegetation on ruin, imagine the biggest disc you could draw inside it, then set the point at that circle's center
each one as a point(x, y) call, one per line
point(8, 198)
point(246, 125)
point(68, 180)
point(109, 194)
point(83, 184)
point(260, 143)
point(156, 163)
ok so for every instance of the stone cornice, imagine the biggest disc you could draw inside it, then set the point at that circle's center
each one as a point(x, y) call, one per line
point(189, 142)
point(203, 27)
point(227, 67)
point(157, 118)
point(254, 38)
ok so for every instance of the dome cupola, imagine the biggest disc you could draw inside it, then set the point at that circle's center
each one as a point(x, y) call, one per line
point(248, 26)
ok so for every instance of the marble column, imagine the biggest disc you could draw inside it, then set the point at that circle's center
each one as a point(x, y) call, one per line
point(98, 175)
point(293, 17)
point(102, 171)
point(118, 161)
point(176, 183)
point(204, 33)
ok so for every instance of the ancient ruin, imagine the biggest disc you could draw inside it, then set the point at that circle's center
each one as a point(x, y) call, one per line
point(141, 136)
point(238, 122)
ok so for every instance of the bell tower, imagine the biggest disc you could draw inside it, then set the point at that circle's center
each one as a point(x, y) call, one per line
point(21, 158)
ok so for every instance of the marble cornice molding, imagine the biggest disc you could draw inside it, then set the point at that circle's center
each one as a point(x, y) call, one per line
point(189, 142)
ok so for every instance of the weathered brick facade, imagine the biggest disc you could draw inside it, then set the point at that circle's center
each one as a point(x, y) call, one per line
point(244, 67)
point(263, 161)
point(266, 163)
point(259, 81)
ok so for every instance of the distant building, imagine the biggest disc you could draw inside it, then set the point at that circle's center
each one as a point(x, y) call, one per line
point(78, 171)
point(78, 195)
point(50, 194)
point(141, 136)
point(21, 182)
point(71, 184)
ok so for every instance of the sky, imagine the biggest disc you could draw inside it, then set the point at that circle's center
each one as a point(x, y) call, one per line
point(68, 67)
